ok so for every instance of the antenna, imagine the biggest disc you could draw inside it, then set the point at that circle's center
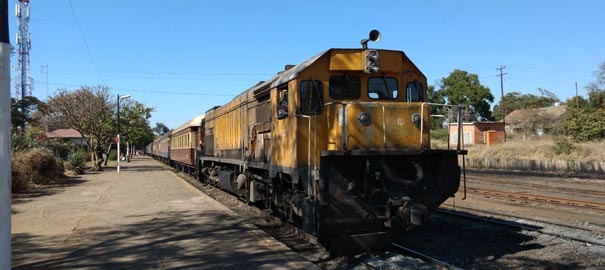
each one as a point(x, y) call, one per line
point(23, 82)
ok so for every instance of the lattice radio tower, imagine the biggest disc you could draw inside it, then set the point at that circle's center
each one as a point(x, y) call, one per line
point(23, 83)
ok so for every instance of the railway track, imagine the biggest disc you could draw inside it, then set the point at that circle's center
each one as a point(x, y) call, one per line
point(400, 257)
point(517, 184)
point(536, 198)
point(537, 228)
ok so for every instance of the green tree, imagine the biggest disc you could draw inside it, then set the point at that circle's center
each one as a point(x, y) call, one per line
point(461, 87)
point(90, 111)
point(160, 129)
point(434, 96)
point(517, 101)
point(26, 112)
point(576, 102)
point(585, 121)
point(134, 123)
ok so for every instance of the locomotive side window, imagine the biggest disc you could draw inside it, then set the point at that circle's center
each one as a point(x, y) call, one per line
point(345, 87)
point(311, 93)
point(282, 105)
point(414, 91)
point(382, 88)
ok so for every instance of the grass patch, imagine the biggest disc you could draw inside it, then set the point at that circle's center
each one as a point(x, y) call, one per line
point(540, 149)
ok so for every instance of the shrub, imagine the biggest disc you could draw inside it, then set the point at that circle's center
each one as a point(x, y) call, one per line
point(439, 134)
point(76, 161)
point(563, 146)
point(35, 167)
point(113, 154)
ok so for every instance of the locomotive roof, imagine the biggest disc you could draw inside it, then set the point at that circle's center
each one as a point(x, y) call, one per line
point(285, 76)
point(195, 122)
point(292, 73)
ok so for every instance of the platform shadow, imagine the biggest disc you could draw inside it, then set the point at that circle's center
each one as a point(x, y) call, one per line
point(173, 240)
point(45, 190)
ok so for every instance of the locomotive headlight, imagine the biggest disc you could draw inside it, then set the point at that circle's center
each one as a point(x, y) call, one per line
point(372, 65)
point(364, 119)
point(416, 119)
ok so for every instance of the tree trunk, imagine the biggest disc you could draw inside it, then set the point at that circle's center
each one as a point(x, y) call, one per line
point(107, 153)
point(96, 164)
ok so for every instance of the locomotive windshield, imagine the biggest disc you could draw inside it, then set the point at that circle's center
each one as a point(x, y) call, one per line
point(414, 92)
point(345, 87)
point(382, 88)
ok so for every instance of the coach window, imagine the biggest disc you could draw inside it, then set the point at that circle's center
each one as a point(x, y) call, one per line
point(414, 90)
point(282, 105)
point(382, 88)
point(311, 97)
point(345, 87)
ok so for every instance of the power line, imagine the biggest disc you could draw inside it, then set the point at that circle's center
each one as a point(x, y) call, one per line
point(173, 73)
point(85, 42)
point(155, 91)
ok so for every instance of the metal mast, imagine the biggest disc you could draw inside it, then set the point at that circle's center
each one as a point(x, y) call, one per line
point(23, 82)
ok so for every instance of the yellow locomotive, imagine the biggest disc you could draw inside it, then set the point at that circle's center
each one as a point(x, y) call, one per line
point(338, 144)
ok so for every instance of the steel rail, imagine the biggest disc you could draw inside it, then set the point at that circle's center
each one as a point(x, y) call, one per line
point(538, 198)
point(516, 183)
point(518, 225)
point(441, 264)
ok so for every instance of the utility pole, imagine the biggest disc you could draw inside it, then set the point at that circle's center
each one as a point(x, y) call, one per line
point(501, 68)
point(577, 104)
point(5, 140)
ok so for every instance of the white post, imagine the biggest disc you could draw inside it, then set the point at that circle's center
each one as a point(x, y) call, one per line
point(5, 141)
point(127, 150)
point(118, 152)
point(118, 124)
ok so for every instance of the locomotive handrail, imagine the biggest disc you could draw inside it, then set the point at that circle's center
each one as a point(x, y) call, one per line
point(460, 108)
point(460, 135)
point(308, 143)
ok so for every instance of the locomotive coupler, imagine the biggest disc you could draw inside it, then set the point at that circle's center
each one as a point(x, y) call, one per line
point(413, 213)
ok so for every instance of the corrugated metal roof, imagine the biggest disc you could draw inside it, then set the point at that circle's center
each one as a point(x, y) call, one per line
point(195, 122)
point(64, 133)
point(552, 113)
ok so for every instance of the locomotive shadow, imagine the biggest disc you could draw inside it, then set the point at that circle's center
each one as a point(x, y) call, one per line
point(475, 245)
point(171, 240)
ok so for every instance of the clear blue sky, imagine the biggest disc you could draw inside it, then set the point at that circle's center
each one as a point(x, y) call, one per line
point(183, 57)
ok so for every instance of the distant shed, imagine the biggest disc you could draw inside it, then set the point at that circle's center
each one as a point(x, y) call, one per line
point(537, 121)
point(68, 135)
point(477, 133)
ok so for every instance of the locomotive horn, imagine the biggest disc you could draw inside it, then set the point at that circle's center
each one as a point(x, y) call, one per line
point(374, 36)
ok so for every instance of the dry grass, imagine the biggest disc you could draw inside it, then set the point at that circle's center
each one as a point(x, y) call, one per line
point(539, 149)
point(34, 167)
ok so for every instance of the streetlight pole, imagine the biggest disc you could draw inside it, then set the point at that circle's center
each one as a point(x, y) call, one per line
point(120, 98)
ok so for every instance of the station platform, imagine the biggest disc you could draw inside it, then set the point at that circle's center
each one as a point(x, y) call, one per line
point(145, 217)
